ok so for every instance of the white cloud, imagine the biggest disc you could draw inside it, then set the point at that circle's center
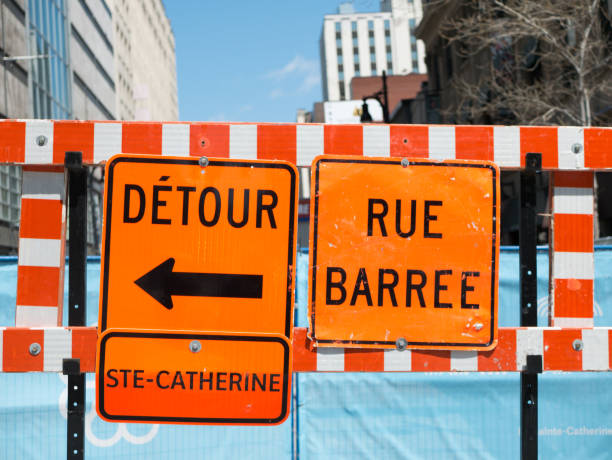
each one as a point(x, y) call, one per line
point(306, 70)
point(276, 93)
point(218, 117)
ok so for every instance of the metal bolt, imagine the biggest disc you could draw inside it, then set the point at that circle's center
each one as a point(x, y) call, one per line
point(41, 140)
point(203, 142)
point(35, 349)
point(576, 148)
point(577, 345)
point(401, 344)
point(195, 346)
point(405, 162)
point(478, 326)
point(203, 161)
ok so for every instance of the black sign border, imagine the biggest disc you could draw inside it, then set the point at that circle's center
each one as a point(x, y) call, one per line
point(398, 162)
point(194, 336)
point(195, 162)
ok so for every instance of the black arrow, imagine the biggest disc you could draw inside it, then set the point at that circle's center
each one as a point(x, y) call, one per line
point(162, 283)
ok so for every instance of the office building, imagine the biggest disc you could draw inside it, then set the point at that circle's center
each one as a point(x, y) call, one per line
point(145, 59)
point(364, 44)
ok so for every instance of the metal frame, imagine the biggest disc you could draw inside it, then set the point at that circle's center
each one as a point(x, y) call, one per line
point(528, 349)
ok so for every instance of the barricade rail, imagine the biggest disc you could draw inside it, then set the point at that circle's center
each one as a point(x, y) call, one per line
point(561, 350)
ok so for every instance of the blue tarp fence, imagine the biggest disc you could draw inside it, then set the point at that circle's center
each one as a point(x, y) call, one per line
point(343, 415)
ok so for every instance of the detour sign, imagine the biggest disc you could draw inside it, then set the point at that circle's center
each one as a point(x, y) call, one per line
point(198, 247)
point(404, 249)
point(189, 377)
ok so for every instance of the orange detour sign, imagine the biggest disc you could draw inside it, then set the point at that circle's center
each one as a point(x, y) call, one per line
point(188, 377)
point(204, 247)
point(404, 251)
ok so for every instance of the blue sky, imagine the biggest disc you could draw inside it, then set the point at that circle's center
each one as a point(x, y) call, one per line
point(249, 60)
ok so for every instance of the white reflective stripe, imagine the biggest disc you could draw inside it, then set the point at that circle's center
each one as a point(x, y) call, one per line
point(376, 141)
point(38, 252)
point(442, 142)
point(462, 360)
point(1, 349)
point(572, 322)
point(507, 146)
point(595, 351)
point(567, 137)
point(395, 360)
point(572, 200)
point(309, 143)
point(27, 316)
point(35, 153)
point(243, 142)
point(330, 359)
point(573, 265)
point(175, 139)
point(304, 182)
point(43, 185)
point(57, 346)
point(528, 342)
point(108, 140)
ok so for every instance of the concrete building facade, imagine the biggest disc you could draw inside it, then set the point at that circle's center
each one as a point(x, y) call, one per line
point(364, 44)
point(145, 59)
point(92, 60)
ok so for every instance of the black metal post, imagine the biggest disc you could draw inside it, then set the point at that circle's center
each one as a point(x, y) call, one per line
point(529, 304)
point(77, 313)
point(385, 96)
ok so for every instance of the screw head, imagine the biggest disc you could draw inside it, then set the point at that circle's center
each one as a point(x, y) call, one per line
point(195, 346)
point(405, 162)
point(35, 349)
point(478, 326)
point(577, 345)
point(41, 140)
point(576, 148)
point(203, 161)
point(401, 344)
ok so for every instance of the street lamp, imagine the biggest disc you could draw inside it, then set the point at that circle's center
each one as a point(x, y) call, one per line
point(382, 98)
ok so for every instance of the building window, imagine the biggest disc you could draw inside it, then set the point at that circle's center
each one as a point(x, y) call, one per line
point(339, 51)
point(415, 66)
point(356, 52)
point(372, 51)
point(354, 26)
point(340, 68)
point(51, 75)
point(340, 58)
point(337, 27)
point(341, 83)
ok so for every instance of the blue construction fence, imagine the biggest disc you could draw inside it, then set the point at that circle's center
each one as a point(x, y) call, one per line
point(341, 415)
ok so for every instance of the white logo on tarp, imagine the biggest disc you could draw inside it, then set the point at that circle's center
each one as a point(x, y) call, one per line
point(121, 432)
point(543, 307)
